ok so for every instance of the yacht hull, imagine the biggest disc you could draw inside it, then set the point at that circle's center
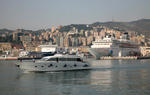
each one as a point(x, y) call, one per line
point(53, 66)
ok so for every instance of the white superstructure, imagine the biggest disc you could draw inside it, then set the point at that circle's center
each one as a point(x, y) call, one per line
point(48, 48)
point(106, 42)
point(57, 62)
point(23, 53)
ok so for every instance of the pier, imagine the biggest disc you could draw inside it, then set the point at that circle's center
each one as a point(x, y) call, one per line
point(119, 58)
point(8, 58)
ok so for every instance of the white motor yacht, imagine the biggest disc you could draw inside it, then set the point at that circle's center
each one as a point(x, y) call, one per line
point(57, 62)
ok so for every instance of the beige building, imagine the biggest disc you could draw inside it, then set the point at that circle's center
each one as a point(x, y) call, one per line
point(117, 34)
point(67, 41)
point(53, 29)
point(38, 49)
point(5, 46)
point(145, 51)
point(89, 40)
point(84, 41)
point(138, 39)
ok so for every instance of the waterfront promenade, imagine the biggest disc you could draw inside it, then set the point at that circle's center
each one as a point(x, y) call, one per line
point(118, 58)
point(8, 58)
point(124, 58)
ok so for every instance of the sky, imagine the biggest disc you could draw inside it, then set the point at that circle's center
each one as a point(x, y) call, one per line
point(43, 14)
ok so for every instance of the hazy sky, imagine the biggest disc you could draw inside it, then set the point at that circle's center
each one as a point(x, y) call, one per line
point(37, 14)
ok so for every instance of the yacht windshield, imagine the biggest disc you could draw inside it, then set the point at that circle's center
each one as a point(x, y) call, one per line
point(64, 59)
point(53, 59)
point(44, 59)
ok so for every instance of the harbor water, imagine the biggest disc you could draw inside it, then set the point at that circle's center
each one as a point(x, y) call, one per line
point(107, 77)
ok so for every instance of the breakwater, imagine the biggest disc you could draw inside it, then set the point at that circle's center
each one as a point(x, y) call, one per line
point(118, 58)
point(124, 58)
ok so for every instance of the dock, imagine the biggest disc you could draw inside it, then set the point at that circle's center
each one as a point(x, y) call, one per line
point(8, 58)
point(119, 58)
point(124, 58)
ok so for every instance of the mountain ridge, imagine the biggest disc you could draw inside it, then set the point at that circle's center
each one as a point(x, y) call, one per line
point(141, 26)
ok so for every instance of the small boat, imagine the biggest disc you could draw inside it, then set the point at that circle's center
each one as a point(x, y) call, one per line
point(57, 62)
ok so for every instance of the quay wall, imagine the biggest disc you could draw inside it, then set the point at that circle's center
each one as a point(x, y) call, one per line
point(8, 58)
point(118, 58)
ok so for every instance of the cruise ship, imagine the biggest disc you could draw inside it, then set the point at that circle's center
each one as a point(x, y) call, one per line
point(109, 46)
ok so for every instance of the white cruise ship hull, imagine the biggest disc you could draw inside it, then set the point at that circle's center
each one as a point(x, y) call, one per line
point(99, 52)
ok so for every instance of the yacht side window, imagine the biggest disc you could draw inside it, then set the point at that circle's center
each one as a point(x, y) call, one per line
point(79, 59)
point(44, 59)
point(52, 59)
point(71, 59)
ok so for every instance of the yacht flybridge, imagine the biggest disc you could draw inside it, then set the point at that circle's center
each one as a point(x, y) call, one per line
point(57, 62)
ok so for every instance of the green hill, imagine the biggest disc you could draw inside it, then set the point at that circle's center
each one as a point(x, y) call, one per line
point(140, 26)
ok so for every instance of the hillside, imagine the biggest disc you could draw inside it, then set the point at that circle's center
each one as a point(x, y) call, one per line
point(140, 26)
